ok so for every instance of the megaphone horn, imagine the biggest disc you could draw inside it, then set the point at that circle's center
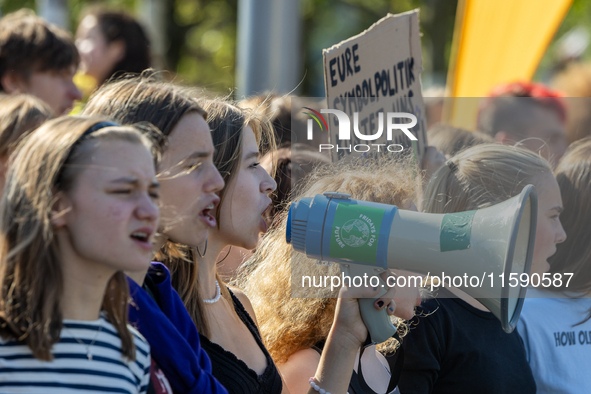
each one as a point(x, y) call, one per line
point(367, 238)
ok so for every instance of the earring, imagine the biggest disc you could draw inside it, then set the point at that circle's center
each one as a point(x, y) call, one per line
point(227, 254)
point(204, 250)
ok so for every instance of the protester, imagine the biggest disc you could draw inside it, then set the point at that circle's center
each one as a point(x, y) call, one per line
point(460, 347)
point(225, 326)
point(288, 173)
point(293, 324)
point(526, 113)
point(189, 182)
point(78, 209)
point(39, 59)
point(19, 115)
point(555, 320)
point(111, 43)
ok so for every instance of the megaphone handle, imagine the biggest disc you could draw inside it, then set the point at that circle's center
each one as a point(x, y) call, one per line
point(376, 321)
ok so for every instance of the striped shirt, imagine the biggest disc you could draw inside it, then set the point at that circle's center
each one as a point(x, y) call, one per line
point(98, 366)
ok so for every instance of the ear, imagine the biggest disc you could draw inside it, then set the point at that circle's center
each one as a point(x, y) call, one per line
point(60, 208)
point(13, 82)
point(117, 51)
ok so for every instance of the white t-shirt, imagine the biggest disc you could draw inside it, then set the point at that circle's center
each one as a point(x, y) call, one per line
point(98, 366)
point(558, 351)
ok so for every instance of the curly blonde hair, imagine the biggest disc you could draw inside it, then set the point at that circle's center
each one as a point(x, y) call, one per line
point(293, 318)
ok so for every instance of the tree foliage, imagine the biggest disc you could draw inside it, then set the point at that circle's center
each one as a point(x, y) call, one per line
point(201, 34)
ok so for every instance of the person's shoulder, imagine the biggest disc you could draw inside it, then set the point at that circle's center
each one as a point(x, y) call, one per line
point(538, 302)
point(137, 336)
point(243, 298)
point(141, 344)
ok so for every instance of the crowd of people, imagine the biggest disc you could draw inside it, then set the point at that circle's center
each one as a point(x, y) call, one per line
point(143, 250)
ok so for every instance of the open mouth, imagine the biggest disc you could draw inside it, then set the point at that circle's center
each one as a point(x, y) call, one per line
point(142, 238)
point(207, 214)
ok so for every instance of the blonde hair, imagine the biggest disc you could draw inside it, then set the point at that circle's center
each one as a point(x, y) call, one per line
point(47, 163)
point(271, 277)
point(482, 176)
point(19, 115)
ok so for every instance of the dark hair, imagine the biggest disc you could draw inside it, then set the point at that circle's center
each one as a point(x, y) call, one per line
point(117, 25)
point(28, 43)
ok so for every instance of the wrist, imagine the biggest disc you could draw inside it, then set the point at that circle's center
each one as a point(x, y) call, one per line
point(344, 337)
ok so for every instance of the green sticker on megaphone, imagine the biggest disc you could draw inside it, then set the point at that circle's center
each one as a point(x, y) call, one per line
point(455, 232)
point(355, 231)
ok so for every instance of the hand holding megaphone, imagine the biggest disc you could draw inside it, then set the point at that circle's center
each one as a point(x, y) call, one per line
point(366, 238)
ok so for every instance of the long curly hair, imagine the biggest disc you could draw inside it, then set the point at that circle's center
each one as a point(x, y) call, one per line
point(293, 318)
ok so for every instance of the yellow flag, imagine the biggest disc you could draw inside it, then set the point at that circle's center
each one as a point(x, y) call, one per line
point(495, 42)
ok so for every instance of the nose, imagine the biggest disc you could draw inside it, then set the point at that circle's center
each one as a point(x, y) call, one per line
point(214, 182)
point(147, 210)
point(268, 185)
point(560, 234)
point(73, 92)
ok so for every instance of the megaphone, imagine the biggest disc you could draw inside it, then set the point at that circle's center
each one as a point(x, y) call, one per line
point(367, 238)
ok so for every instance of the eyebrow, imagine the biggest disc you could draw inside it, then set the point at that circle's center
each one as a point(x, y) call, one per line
point(198, 155)
point(135, 181)
point(558, 208)
point(251, 155)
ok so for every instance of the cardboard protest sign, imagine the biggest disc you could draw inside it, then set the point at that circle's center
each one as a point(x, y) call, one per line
point(376, 74)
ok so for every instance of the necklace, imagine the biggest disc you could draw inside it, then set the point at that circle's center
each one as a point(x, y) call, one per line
point(88, 354)
point(217, 294)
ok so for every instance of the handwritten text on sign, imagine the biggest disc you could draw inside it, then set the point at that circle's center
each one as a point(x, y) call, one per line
point(377, 72)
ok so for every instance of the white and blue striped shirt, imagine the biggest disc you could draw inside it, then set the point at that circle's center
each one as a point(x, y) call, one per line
point(72, 370)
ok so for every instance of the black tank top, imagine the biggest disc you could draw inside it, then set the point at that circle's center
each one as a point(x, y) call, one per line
point(232, 372)
point(357, 384)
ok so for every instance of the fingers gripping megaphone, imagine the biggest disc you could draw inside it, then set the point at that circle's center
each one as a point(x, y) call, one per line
point(367, 238)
